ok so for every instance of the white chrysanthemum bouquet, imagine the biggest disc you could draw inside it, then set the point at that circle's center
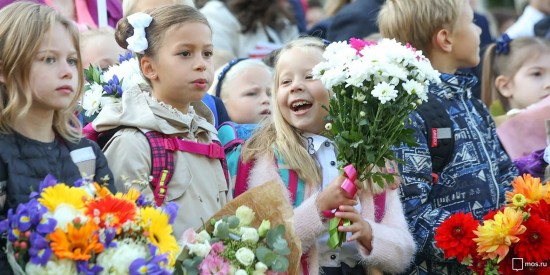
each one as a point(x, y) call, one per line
point(106, 87)
point(374, 87)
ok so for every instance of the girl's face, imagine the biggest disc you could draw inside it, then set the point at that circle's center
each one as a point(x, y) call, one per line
point(54, 71)
point(530, 84)
point(247, 96)
point(182, 70)
point(301, 98)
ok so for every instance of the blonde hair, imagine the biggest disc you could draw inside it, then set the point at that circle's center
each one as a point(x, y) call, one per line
point(416, 21)
point(231, 73)
point(519, 51)
point(85, 36)
point(23, 27)
point(164, 17)
point(129, 6)
point(277, 134)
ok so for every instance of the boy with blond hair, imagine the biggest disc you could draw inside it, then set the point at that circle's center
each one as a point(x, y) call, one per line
point(458, 167)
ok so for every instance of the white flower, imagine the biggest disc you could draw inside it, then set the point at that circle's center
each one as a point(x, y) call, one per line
point(128, 72)
point(413, 87)
point(245, 215)
point(53, 267)
point(241, 272)
point(260, 267)
point(360, 97)
point(362, 114)
point(91, 99)
point(203, 236)
point(64, 214)
point(266, 224)
point(328, 126)
point(200, 249)
point(334, 77)
point(249, 234)
point(245, 256)
point(384, 92)
point(117, 260)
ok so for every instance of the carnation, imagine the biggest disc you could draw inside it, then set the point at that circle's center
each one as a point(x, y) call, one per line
point(117, 260)
point(54, 266)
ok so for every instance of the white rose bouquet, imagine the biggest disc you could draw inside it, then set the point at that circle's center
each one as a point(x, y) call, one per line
point(255, 238)
point(106, 87)
point(374, 87)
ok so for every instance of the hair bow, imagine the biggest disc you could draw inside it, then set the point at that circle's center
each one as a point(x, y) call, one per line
point(224, 71)
point(503, 44)
point(138, 42)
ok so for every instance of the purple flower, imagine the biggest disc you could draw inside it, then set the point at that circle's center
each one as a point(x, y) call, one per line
point(141, 266)
point(110, 233)
point(78, 182)
point(125, 57)
point(142, 201)
point(113, 87)
point(46, 226)
point(172, 210)
point(84, 267)
point(40, 250)
point(4, 225)
point(48, 181)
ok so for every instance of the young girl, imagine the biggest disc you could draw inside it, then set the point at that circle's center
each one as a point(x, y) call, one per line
point(40, 82)
point(516, 84)
point(244, 85)
point(295, 135)
point(99, 48)
point(175, 55)
point(516, 74)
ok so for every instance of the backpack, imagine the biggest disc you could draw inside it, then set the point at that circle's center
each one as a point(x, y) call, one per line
point(162, 155)
point(440, 136)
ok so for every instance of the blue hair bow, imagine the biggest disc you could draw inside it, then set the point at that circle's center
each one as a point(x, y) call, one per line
point(224, 71)
point(503, 44)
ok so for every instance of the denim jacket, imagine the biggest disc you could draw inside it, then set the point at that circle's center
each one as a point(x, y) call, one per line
point(475, 180)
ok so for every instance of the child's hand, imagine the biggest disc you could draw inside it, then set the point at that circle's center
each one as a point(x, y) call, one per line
point(360, 229)
point(333, 196)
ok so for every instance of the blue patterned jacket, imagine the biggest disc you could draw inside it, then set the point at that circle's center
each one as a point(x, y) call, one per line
point(475, 179)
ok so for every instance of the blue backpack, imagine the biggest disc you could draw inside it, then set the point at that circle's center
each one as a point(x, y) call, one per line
point(232, 137)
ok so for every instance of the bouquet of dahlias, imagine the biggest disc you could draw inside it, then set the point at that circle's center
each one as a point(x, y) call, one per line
point(520, 231)
point(374, 86)
point(248, 236)
point(86, 229)
point(106, 87)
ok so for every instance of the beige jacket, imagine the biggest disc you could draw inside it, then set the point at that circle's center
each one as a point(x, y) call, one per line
point(198, 185)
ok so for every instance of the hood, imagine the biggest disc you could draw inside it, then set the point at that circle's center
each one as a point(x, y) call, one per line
point(139, 109)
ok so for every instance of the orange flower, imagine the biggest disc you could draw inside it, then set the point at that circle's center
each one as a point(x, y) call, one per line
point(102, 191)
point(132, 195)
point(531, 188)
point(495, 236)
point(79, 243)
point(111, 211)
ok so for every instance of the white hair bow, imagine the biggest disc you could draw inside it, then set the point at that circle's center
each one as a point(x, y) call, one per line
point(138, 42)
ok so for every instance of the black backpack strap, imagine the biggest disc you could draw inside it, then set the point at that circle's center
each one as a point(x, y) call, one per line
point(440, 136)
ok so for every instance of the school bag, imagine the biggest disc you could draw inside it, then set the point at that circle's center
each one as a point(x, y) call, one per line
point(162, 155)
point(440, 135)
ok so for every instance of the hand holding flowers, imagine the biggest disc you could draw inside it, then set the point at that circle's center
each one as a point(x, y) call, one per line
point(374, 86)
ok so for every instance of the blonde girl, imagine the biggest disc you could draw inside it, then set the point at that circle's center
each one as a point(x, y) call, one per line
point(295, 138)
point(40, 82)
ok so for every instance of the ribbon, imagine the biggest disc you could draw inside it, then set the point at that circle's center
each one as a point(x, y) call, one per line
point(336, 237)
point(138, 42)
point(503, 44)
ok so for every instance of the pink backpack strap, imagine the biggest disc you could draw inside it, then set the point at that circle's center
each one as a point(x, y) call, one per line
point(162, 168)
point(243, 171)
point(213, 150)
point(379, 206)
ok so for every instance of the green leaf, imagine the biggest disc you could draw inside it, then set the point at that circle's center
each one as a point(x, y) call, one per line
point(233, 222)
point(261, 253)
point(280, 264)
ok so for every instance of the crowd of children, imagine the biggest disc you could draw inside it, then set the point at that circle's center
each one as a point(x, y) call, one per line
point(162, 137)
